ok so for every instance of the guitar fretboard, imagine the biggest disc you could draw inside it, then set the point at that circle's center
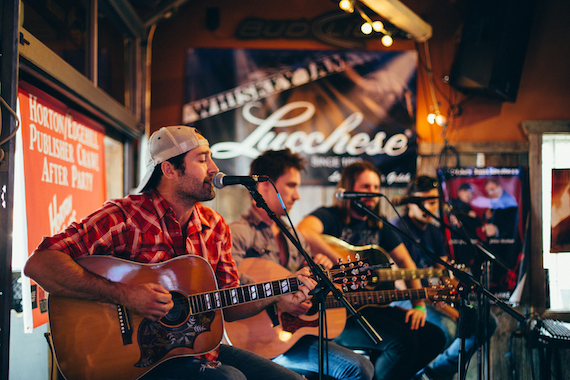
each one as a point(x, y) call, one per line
point(409, 274)
point(379, 297)
point(219, 299)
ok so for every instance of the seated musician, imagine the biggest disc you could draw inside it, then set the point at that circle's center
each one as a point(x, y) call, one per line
point(409, 342)
point(418, 222)
point(164, 222)
point(255, 234)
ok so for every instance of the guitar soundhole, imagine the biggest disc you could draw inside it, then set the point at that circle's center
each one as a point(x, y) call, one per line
point(179, 313)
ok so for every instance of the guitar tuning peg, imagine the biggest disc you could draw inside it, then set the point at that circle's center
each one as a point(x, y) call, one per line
point(348, 259)
point(344, 288)
point(357, 256)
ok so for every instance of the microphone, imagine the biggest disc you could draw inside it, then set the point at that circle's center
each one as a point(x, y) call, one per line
point(400, 201)
point(341, 194)
point(220, 180)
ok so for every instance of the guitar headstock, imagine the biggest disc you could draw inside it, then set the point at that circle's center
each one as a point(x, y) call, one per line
point(352, 275)
point(443, 293)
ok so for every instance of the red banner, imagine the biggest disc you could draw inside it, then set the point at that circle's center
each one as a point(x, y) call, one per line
point(64, 171)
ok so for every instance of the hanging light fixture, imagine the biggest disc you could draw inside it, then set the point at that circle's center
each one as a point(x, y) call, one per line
point(387, 40)
point(366, 28)
point(346, 5)
point(378, 26)
point(437, 118)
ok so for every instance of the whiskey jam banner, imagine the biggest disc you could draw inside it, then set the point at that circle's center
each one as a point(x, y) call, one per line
point(331, 107)
point(488, 205)
point(63, 172)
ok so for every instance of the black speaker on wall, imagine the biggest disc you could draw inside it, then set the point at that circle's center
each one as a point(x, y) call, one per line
point(493, 46)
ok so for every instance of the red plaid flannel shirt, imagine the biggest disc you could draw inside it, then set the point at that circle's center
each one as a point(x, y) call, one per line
point(143, 228)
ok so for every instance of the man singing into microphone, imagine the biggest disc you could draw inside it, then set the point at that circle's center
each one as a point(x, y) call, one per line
point(409, 343)
point(255, 234)
point(165, 221)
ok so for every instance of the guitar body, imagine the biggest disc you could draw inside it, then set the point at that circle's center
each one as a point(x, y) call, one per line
point(258, 334)
point(373, 252)
point(87, 336)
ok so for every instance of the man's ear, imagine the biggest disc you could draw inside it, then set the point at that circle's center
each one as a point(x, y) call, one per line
point(264, 187)
point(168, 170)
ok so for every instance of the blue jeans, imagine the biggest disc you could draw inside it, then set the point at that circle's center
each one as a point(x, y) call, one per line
point(402, 351)
point(233, 364)
point(447, 363)
point(437, 317)
point(342, 363)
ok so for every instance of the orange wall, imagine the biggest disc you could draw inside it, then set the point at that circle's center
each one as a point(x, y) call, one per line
point(543, 92)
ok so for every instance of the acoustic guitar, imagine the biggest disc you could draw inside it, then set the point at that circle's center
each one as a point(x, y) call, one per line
point(273, 332)
point(379, 256)
point(102, 341)
point(382, 278)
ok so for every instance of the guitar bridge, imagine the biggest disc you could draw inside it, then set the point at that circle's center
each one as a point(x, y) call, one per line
point(125, 324)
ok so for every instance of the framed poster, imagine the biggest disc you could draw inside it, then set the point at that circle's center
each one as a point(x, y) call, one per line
point(487, 209)
point(560, 211)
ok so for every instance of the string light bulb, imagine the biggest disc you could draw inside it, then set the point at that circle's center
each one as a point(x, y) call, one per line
point(387, 40)
point(366, 28)
point(441, 120)
point(438, 119)
point(346, 5)
point(377, 26)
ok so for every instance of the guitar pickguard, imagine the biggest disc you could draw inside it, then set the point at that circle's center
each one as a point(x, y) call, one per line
point(292, 324)
point(156, 340)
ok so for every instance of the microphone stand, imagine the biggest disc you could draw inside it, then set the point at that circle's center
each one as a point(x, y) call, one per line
point(466, 281)
point(324, 284)
point(483, 354)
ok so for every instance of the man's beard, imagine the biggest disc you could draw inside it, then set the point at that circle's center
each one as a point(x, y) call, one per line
point(197, 194)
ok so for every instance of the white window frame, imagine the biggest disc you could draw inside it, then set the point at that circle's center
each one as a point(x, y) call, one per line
point(538, 290)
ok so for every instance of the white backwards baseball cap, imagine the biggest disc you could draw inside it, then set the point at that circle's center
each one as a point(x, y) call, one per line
point(166, 143)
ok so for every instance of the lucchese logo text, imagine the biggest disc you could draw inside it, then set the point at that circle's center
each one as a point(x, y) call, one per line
point(339, 141)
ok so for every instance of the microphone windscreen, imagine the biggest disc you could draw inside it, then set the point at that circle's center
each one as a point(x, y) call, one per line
point(218, 180)
point(339, 194)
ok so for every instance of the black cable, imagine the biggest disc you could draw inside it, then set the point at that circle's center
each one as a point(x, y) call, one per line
point(16, 120)
point(52, 355)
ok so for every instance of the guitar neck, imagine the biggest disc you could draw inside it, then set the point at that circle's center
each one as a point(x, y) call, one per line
point(378, 297)
point(219, 299)
point(409, 274)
